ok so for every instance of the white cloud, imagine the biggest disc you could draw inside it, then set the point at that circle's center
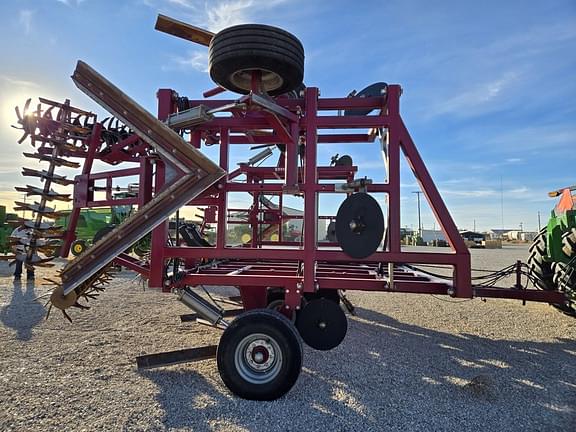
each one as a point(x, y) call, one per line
point(184, 3)
point(469, 193)
point(478, 99)
point(228, 13)
point(13, 82)
point(536, 138)
point(214, 15)
point(196, 60)
point(25, 19)
point(71, 2)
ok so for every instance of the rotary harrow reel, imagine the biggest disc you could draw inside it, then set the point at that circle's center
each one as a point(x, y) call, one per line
point(88, 290)
point(54, 129)
point(59, 131)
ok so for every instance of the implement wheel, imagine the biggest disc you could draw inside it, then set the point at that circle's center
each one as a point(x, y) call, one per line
point(237, 51)
point(539, 268)
point(260, 355)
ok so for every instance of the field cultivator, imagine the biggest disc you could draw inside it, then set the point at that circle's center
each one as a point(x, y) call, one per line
point(290, 287)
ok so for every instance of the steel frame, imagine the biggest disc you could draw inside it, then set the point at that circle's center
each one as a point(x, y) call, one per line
point(296, 267)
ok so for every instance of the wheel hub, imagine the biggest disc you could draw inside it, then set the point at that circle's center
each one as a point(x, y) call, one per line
point(260, 355)
point(258, 358)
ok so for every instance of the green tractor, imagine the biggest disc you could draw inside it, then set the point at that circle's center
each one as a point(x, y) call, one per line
point(8, 221)
point(93, 224)
point(552, 260)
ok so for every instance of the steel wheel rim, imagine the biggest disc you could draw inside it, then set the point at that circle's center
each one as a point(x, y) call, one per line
point(258, 358)
point(243, 79)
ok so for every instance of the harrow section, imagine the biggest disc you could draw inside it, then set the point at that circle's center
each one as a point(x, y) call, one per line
point(54, 129)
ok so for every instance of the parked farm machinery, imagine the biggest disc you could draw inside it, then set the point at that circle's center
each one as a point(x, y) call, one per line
point(289, 289)
point(552, 259)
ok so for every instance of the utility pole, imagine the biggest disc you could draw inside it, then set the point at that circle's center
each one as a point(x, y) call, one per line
point(474, 225)
point(538, 220)
point(502, 202)
point(419, 219)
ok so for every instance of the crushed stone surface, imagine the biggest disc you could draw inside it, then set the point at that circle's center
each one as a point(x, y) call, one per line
point(408, 363)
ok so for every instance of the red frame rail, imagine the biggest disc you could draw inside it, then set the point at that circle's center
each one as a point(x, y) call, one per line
point(306, 265)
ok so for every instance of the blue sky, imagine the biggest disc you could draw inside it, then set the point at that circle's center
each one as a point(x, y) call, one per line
point(489, 86)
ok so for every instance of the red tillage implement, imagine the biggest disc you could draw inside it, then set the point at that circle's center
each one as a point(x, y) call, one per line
point(290, 283)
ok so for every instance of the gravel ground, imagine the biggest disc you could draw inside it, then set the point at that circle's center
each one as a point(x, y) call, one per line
point(408, 363)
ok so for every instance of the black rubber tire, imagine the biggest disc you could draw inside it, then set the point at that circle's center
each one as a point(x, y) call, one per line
point(102, 232)
point(277, 53)
point(278, 330)
point(565, 280)
point(78, 247)
point(569, 243)
point(538, 267)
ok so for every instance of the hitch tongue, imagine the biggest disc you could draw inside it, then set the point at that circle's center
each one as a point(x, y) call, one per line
point(205, 309)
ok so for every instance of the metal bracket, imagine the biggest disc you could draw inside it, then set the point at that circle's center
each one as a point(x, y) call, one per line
point(189, 118)
point(176, 357)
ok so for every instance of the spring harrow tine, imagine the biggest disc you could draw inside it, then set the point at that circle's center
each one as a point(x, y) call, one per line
point(56, 235)
point(50, 195)
point(45, 175)
point(40, 242)
point(88, 290)
point(47, 228)
point(56, 160)
point(35, 207)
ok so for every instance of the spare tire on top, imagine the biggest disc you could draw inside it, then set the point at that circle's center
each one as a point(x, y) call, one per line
point(237, 51)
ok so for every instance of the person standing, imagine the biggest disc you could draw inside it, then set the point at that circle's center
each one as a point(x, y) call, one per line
point(21, 232)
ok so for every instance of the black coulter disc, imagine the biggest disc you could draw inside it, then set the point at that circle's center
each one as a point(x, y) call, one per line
point(322, 324)
point(359, 225)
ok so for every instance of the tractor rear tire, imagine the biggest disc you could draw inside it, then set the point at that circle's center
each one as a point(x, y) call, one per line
point(538, 267)
point(569, 242)
point(237, 51)
point(565, 274)
point(102, 232)
point(565, 280)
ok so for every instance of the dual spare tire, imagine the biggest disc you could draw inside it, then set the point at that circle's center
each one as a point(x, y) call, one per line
point(235, 52)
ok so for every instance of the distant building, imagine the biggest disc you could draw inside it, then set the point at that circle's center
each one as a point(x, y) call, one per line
point(476, 237)
point(430, 236)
